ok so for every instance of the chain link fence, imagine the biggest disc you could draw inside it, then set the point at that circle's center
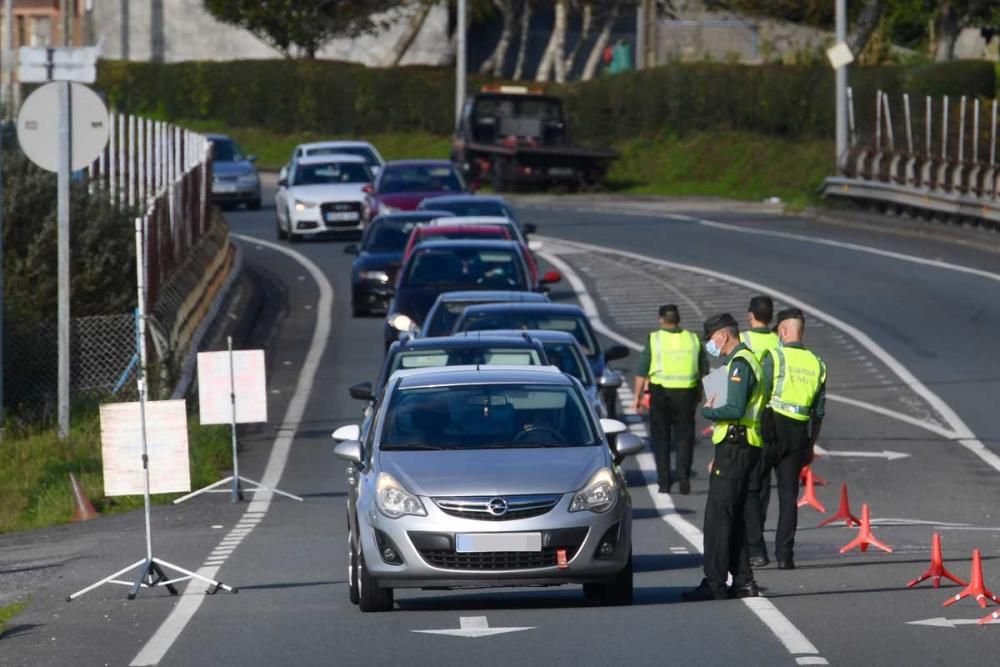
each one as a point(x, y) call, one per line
point(103, 359)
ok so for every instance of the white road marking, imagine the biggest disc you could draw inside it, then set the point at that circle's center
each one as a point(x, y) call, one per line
point(811, 660)
point(191, 600)
point(942, 622)
point(473, 626)
point(884, 454)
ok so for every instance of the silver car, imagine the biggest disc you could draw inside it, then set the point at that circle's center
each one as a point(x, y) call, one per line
point(472, 477)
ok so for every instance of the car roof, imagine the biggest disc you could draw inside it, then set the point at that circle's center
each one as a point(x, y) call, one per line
point(410, 216)
point(312, 145)
point(497, 295)
point(331, 157)
point(442, 376)
point(420, 163)
point(543, 335)
point(436, 228)
point(488, 338)
point(554, 308)
point(475, 220)
point(218, 137)
point(470, 197)
point(485, 244)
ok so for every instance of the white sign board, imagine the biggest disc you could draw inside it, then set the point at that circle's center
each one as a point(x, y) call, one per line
point(840, 55)
point(215, 387)
point(40, 64)
point(166, 444)
point(38, 126)
point(716, 384)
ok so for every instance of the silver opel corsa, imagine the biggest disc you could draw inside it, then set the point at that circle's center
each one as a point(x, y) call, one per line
point(473, 477)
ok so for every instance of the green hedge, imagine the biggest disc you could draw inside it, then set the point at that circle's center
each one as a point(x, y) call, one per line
point(340, 98)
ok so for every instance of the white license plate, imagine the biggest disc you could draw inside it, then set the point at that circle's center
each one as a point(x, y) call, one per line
point(224, 187)
point(340, 217)
point(482, 542)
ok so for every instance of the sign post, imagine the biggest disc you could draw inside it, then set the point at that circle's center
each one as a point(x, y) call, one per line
point(46, 115)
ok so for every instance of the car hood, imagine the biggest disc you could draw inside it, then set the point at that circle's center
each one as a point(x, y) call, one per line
point(233, 168)
point(490, 472)
point(328, 191)
point(404, 201)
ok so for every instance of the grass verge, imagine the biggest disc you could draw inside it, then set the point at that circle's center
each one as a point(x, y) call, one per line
point(735, 165)
point(35, 490)
point(8, 612)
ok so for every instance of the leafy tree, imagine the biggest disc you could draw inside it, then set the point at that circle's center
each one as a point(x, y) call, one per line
point(302, 27)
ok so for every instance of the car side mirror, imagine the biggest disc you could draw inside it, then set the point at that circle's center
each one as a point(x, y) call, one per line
point(282, 182)
point(612, 426)
point(347, 432)
point(361, 391)
point(351, 249)
point(610, 380)
point(368, 189)
point(627, 444)
point(349, 450)
point(615, 352)
point(550, 277)
point(251, 158)
point(529, 228)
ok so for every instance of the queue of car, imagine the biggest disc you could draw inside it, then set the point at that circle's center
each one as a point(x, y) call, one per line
point(484, 455)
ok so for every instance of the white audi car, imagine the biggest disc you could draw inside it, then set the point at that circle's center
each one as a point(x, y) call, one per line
point(324, 195)
point(360, 148)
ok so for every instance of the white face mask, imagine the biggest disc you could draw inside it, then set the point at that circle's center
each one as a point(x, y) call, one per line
point(712, 348)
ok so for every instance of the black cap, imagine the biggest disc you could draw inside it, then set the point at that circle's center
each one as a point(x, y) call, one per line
point(762, 308)
point(717, 322)
point(789, 314)
point(669, 309)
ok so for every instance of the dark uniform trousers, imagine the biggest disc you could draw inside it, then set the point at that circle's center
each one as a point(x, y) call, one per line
point(725, 529)
point(671, 426)
point(784, 452)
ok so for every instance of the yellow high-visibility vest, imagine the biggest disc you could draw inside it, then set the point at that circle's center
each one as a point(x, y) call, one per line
point(755, 404)
point(673, 359)
point(759, 342)
point(796, 378)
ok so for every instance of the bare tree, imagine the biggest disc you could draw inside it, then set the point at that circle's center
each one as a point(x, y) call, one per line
point(409, 35)
point(867, 23)
point(590, 69)
point(494, 64)
point(522, 45)
point(587, 20)
point(554, 60)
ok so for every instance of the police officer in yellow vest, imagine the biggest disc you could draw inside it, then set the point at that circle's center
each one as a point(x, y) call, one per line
point(737, 439)
point(795, 393)
point(672, 365)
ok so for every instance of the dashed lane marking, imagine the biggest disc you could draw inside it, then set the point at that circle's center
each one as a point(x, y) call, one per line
point(191, 600)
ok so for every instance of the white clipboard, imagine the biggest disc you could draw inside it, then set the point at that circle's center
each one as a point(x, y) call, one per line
point(716, 384)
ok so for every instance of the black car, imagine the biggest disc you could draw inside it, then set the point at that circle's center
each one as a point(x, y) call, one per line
point(472, 350)
point(471, 205)
point(551, 316)
point(434, 267)
point(379, 255)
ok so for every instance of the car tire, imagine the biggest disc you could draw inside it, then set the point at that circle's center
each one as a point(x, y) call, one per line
point(371, 596)
point(614, 593)
point(358, 311)
point(282, 235)
point(352, 567)
point(253, 204)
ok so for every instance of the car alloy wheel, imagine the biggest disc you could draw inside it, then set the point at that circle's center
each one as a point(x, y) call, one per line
point(352, 567)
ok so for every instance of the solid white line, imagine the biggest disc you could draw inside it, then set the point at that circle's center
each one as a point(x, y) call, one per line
point(959, 430)
point(170, 630)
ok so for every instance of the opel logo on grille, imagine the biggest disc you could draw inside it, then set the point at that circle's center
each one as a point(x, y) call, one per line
point(497, 506)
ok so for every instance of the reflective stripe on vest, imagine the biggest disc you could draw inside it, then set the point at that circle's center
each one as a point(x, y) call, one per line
point(796, 378)
point(673, 359)
point(759, 342)
point(755, 403)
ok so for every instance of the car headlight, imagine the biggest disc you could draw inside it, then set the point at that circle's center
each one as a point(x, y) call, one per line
point(401, 322)
point(304, 205)
point(394, 501)
point(600, 494)
point(248, 178)
point(375, 276)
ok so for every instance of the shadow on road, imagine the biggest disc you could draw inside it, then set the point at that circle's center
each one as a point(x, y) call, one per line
point(568, 598)
point(291, 584)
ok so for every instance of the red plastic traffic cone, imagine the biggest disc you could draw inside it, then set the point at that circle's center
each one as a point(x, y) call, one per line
point(804, 473)
point(937, 569)
point(976, 587)
point(989, 618)
point(844, 513)
point(809, 495)
point(865, 536)
point(84, 509)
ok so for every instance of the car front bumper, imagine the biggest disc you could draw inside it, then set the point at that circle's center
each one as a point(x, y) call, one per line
point(426, 547)
point(371, 296)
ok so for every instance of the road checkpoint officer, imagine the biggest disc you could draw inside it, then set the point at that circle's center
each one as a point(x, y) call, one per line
point(760, 339)
point(794, 380)
point(737, 439)
point(671, 365)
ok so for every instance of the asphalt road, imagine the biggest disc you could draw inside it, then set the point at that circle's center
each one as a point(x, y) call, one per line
point(289, 559)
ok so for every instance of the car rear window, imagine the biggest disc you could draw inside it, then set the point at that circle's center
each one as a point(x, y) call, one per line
point(489, 320)
point(472, 208)
point(465, 356)
point(386, 236)
point(420, 178)
point(487, 416)
point(465, 267)
point(565, 357)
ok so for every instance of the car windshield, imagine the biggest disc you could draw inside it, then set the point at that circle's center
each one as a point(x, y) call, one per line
point(486, 416)
point(512, 319)
point(471, 207)
point(332, 172)
point(360, 151)
point(420, 178)
point(473, 355)
point(565, 357)
point(465, 267)
point(226, 150)
point(444, 315)
point(388, 236)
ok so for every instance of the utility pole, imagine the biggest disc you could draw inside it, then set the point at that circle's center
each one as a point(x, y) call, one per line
point(841, 85)
point(3, 120)
point(460, 60)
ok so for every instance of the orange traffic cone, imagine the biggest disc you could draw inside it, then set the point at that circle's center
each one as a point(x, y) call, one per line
point(937, 569)
point(804, 474)
point(84, 510)
point(976, 587)
point(989, 618)
point(865, 536)
point(809, 495)
point(844, 513)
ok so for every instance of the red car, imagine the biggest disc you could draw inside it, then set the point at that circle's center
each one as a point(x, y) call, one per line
point(439, 232)
point(403, 184)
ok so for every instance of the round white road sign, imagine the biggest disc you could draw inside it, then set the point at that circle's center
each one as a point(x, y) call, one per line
point(38, 126)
